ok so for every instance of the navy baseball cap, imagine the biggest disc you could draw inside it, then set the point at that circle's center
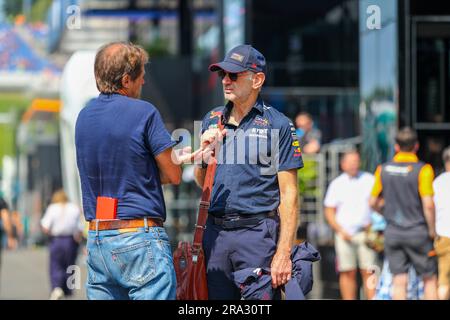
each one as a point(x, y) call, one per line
point(241, 58)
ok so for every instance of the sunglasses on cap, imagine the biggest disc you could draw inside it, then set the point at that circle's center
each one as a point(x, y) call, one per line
point(232, 76)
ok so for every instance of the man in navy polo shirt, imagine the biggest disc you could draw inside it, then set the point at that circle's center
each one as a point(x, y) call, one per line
point(254, 204)
point(125, 152)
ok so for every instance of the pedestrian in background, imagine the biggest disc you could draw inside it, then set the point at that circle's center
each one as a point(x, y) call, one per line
point(17, 228)
point(5, 225)
point(384, 285)
point(308, 136)
point(63, 223)
point(441, 188)
point(405, 184)
point(348, 213)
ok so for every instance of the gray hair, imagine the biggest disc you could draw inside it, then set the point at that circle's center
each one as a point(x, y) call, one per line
point(115, 60)
point(446, 155)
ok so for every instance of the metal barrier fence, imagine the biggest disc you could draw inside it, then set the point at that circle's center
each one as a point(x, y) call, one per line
point(319, 170)
point(313, 180)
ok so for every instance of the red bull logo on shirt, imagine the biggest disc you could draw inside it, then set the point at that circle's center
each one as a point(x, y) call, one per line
point(259, 121)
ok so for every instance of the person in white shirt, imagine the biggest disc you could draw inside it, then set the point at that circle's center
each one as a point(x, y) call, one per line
point(441, 186)
point(348, 213)
point(62, 222)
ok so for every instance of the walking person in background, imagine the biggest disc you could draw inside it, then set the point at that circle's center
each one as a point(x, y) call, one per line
point(441, 188)
point(405, 184)
point(63, 223)
point(348, 213)
point(17, 228)
point(6, 224)
point(384, 285)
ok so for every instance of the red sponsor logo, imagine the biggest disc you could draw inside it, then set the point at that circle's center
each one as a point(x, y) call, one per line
point(215, 114)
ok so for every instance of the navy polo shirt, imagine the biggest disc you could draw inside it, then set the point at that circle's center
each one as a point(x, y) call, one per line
point(250, 157)
point(117, 139)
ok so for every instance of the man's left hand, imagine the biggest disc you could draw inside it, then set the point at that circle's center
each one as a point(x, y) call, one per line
point(281, 269)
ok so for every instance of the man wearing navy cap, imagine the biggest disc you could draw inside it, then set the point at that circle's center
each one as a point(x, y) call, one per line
point(254, 203)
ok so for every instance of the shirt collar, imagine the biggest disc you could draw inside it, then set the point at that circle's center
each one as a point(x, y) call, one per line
point(349, 177)
point(258, 106)
point(406, 157)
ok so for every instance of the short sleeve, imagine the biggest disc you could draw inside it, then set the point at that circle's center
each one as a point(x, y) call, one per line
point(316, 134)
point(81, 222)
point(290, 154)
point(377, 186)
point(158, 137)
point(331, 198)
point(426, 177)
point(46, 221)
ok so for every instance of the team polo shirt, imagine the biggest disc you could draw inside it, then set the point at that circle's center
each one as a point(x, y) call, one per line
point(250, 157)
point(403, 182)
point(117, 139)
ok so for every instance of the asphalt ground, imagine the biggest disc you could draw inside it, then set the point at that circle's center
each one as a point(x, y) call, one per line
point(24, 275)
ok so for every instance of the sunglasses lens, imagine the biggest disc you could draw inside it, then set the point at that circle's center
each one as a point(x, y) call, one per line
point(232, 76)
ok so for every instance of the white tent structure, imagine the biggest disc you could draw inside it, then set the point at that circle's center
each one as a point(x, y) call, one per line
point(77, 88)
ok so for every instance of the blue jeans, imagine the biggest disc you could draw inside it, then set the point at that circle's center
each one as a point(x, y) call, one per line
point(133, 265)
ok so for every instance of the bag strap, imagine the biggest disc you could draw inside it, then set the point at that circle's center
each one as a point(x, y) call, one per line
point(205, 200)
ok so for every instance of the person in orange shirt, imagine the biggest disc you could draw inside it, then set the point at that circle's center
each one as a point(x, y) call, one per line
point(406, 186)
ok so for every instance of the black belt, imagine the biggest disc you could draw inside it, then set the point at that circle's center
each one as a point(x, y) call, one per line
point(233, 221)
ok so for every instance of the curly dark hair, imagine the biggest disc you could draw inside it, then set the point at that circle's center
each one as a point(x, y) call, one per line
point(446, 155)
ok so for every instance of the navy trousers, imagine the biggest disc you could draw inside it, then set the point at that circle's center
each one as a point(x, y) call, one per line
point(230, 250)
point(63, 253)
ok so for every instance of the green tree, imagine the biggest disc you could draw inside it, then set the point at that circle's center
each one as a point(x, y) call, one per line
point(12, 8)
point(39, 10)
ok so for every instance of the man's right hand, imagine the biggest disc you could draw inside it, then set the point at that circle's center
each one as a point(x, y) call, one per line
point(344, 235)
point(211, 137)
point(432, 233)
